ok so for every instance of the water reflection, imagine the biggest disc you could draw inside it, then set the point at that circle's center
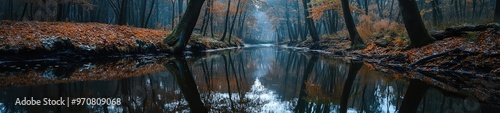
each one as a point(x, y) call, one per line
point(180, 70)
point(256, 79)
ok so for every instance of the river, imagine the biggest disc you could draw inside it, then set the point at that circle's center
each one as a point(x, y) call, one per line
point(251, 79)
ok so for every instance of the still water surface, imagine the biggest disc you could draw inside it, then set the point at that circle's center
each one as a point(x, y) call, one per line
point(253, 79)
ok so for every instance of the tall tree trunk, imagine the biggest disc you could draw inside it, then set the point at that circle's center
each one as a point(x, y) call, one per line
point(497, 11)
point(226, 20)
point(182, 32)
point(24, 11)
point(474, 8)
point(143, 11)
point(288, 23)
point(481, 7)
point(173, 14)
point(457, 11)
point(149, 15)
point(122, 20)
point(212, 21)
point(11, 10)
point(391, 10)
point(310, 26)
point(356, 41)
point(414, 24)
point(438, 15)
point(234, 21)
point(206, 16)
point(180, 4)
point(60, 12)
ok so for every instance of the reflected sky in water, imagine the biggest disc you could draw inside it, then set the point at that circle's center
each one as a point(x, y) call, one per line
point(253, 79)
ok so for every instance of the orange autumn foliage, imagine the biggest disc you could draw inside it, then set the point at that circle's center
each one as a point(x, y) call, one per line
point(30, 34)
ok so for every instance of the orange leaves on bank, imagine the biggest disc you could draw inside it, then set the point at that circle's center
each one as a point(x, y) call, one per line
point(29, 33)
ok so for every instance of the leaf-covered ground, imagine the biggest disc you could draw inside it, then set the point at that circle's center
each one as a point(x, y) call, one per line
point(31, 39)
point(465, 62)
point(471, 53)
point(33, 34)
point(468, 64)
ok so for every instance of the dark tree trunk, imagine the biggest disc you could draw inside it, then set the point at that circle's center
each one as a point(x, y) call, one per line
point(288, 23)
point(173, 14)
point(11, 10)
point(24, 11)
point(436, 12)
point(143, 11)
point(60, 12)
point(474, 8)
point(122, 20)
point(356, 41)
point(414, 24)
point(204, 25)
point(182, 32)
point(149, 15)
point(481, 7)
point(234, 21)
point(180, 6)
point(391, 9)
point(497, 11)
point(310, 26)
point(211, 20)
point(226, 21)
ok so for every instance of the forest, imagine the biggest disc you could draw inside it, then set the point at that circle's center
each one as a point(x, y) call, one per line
point(451, 45)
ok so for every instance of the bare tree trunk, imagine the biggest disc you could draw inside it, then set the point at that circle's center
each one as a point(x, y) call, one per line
point(173, 14)
point(180, 4)
point(149, 15)
point(226, 21)
point(24, 11)
point(234, 21)
point(414, 24)
point(182, 32)
point(204, 25)
point(497, 11)
point(211, 20)
point(143, 11)
point(356, 41)
point(310, 26)
point(122, 20)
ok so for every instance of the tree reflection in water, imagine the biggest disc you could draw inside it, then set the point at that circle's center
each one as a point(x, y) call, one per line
point(259, 79)
point(180, 70)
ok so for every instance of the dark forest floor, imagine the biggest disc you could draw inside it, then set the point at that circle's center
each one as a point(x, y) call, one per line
point(468, 65)
point(464, 60)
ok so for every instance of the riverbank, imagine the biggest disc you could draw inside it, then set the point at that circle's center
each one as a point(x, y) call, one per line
point(468, 63)
point(464, 59)
point(22, 40)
